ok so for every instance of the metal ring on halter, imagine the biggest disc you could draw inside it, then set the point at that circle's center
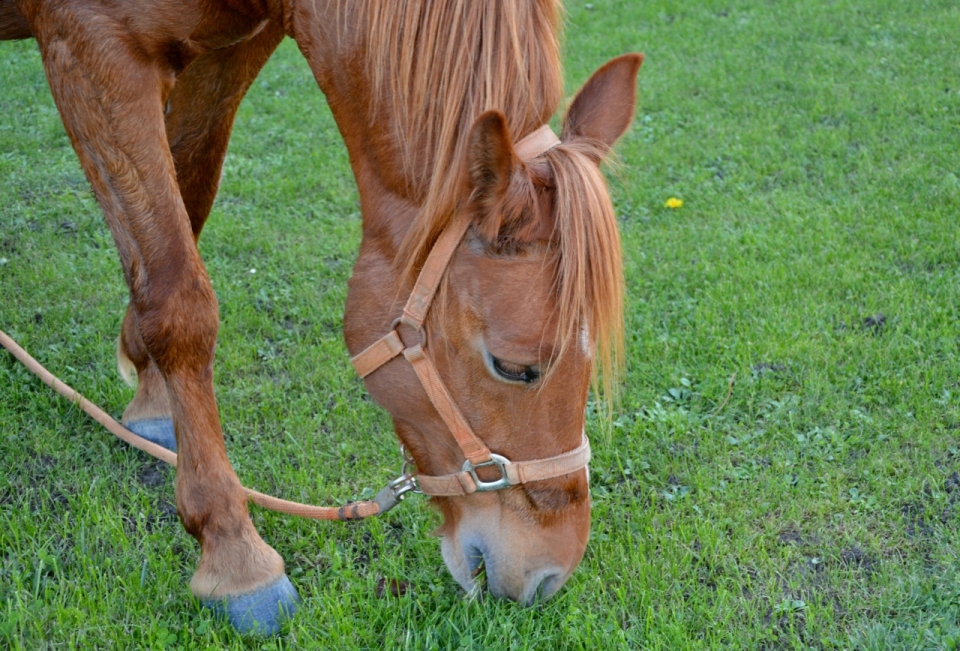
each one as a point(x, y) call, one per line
point(484, 486)
point(408, 465)
point(395, 325)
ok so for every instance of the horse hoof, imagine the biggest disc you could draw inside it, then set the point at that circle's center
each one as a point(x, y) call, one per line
point(261, 612)
point(155, 430)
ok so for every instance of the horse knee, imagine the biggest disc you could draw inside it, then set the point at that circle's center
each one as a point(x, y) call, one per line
point(178, 324)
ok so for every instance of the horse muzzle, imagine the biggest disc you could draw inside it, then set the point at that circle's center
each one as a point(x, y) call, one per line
point(522, 561)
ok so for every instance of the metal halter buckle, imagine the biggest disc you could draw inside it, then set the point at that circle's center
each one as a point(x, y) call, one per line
point(394, 492)
point(484, 486)
point(402, 485)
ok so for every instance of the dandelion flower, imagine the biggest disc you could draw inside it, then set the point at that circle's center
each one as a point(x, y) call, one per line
point(674, 203)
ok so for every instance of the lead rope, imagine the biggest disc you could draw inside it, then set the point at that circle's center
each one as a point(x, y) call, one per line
point(386, 499)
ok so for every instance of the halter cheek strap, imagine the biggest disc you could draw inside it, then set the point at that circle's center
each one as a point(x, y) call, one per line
point(477, 454)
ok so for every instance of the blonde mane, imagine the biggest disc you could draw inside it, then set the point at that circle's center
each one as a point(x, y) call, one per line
point(589, 266)
point(437, 66)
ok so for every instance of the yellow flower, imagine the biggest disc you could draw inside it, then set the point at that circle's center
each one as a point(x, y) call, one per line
point(673, 202)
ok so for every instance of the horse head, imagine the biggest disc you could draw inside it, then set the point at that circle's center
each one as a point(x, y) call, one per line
point(529, 307)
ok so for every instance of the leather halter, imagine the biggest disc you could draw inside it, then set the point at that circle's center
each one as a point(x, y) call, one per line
point(389, 346)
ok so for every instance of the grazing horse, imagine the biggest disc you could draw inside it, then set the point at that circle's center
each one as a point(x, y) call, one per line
point(436, 101)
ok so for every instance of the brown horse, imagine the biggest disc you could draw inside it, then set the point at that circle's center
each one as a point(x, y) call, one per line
point(431, 98)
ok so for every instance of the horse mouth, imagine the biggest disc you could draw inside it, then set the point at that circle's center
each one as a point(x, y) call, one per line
point(476, 572)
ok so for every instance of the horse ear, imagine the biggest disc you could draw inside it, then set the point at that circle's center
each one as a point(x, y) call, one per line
point(491, 163)
point(490, 157)
point(603, 109)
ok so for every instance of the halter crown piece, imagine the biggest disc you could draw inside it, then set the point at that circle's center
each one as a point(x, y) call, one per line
point(477, 454)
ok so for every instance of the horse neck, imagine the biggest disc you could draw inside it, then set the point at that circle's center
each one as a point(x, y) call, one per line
point(407, 160)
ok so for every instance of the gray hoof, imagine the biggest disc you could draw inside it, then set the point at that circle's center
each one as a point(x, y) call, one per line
point(155, 430)
point(261, 612)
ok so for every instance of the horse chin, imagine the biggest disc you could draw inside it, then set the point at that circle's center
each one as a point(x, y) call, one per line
point(519, 564)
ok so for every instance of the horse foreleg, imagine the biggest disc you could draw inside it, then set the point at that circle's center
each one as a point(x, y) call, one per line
point(110, 98)
point(199, 116)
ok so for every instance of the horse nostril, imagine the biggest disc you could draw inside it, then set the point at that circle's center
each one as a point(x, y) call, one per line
point(475, 561)
point(543, 587)
point(475, 564)
point(549, 586)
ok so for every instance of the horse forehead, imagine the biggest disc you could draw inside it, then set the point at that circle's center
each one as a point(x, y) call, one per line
point(514, 294)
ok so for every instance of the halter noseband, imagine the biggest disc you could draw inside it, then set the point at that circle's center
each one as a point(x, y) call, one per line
point(477, 454)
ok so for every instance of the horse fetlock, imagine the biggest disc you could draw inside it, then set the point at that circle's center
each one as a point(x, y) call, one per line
point(152, 399)
point(149, 413)
point(242, 579)
point(235, 565)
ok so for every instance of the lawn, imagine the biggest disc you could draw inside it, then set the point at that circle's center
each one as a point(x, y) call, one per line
point(783, 467)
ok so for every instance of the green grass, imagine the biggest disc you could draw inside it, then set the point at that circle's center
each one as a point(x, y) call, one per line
point(817, 506)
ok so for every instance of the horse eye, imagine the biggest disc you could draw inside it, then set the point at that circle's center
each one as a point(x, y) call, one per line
point(515, 372)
